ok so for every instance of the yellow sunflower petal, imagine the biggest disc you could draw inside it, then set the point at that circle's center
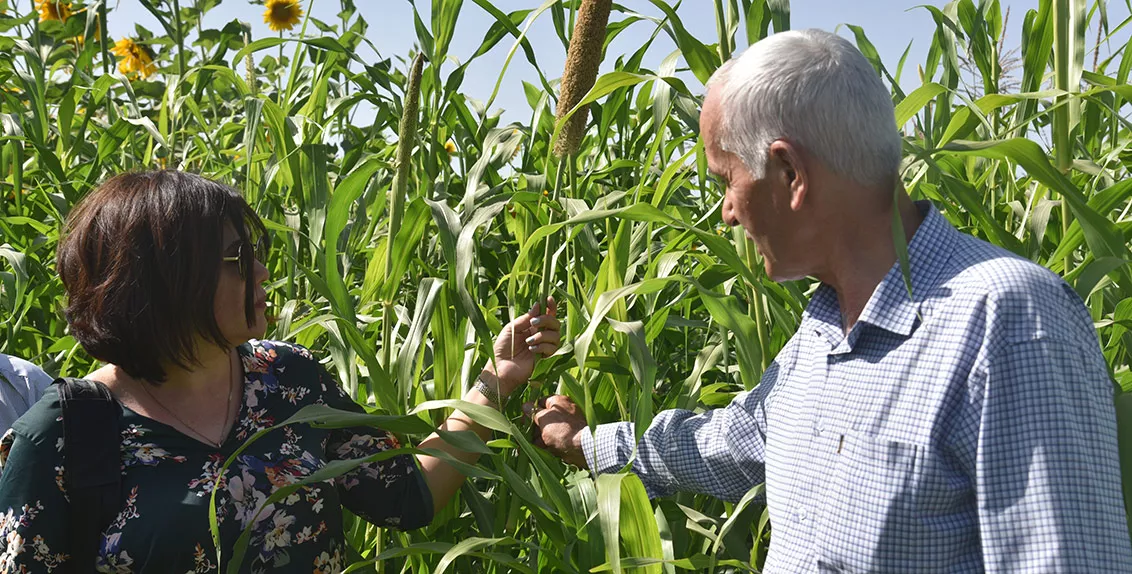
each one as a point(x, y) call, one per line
point(53, 10)
point(123, 47)
point(282, 14)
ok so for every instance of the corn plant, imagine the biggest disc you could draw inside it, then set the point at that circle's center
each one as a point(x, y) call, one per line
point(402, 243)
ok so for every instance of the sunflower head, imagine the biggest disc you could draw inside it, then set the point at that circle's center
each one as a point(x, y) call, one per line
point(282, 14)
point(53, 10)
point(136, 58)
point(80, 39)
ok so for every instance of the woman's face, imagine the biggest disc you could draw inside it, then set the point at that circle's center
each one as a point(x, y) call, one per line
point(229, 300)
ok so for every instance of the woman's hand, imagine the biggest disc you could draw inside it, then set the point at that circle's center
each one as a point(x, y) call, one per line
point(520, 345)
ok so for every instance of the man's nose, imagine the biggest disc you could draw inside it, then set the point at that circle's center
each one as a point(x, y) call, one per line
point(727, 212)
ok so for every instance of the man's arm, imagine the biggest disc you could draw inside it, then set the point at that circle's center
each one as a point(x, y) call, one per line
point(21, 385)
point(720, 452)
point(1047, 467)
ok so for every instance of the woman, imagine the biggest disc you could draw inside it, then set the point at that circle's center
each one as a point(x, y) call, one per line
point(164, 275)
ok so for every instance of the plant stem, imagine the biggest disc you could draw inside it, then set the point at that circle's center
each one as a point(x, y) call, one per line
point(181, 66)
point(721, 26)
point(1068, 40)
point(279, 72)
point(547, 268)
point(407, 134)
point(102, 38)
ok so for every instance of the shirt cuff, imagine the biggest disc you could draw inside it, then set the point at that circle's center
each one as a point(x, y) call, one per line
point(609, 447)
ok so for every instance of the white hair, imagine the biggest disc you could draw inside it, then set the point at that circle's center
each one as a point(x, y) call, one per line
point(814, 89)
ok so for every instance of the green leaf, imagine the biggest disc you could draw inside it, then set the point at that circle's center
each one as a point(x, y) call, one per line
point(1124, 440)
point(702, 61)
point(463, 547)
point(911, 105)
point(1100, 234)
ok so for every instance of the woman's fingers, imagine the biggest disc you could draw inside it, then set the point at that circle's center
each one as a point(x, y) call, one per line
point(534, 319)
point(536, 308)
point(544, 342)
point(545, 322)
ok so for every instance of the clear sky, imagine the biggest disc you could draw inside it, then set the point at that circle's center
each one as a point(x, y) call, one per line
point(890, 24)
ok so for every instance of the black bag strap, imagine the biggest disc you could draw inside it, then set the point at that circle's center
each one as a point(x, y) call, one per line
point(92, 466)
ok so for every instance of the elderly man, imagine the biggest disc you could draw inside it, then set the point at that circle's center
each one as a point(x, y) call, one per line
point(21, 385)
point(966, 428)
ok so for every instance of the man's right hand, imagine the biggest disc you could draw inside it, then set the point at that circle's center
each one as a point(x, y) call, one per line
point(559, 425)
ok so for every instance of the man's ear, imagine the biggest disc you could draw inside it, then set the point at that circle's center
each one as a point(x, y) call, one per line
point(788, 166)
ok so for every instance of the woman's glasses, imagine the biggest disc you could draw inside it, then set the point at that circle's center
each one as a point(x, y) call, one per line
point(246, 254)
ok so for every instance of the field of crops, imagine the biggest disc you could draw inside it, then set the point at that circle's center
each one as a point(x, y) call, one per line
point(397, 270)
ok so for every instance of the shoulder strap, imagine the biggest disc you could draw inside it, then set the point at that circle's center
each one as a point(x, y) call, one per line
point(92, 466)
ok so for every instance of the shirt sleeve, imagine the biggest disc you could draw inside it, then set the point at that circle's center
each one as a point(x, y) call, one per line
point(721, 452)
point(390, 492)
point(38, 381)
point(1047, 468)
point(32, 506)
point(21, 385)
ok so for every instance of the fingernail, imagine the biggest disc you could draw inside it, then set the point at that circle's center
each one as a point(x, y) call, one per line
point(528, 408)
point(532, 348)
point(530, 340)
point(536, 321)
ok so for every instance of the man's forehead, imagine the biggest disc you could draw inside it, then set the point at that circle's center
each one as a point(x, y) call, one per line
point(709, 121)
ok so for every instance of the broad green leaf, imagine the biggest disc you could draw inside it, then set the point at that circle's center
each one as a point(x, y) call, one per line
point(1103, 239)
point(916, 101)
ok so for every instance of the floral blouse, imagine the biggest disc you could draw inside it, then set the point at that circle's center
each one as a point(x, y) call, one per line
point(167, 479)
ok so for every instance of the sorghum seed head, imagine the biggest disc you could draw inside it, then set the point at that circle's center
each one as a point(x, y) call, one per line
point(582, 61)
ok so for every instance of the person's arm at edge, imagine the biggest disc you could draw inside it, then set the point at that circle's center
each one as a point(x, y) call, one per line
point(1048, 482)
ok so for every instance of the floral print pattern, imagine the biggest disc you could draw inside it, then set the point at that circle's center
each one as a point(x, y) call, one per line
point(168, 479)
point(12, 527)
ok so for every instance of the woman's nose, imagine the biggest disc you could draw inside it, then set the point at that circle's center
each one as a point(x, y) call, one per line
point(260, 272)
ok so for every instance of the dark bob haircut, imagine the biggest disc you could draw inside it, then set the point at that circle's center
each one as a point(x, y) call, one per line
point(140, 259)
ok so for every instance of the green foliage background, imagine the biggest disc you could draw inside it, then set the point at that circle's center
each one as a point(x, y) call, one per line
point(664, 307)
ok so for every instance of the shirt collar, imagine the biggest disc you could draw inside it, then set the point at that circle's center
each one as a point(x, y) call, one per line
point(890, 308)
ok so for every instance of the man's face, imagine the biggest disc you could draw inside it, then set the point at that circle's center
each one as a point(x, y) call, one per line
point(761, 206)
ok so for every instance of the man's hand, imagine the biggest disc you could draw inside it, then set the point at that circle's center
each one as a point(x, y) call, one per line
point(559, 425)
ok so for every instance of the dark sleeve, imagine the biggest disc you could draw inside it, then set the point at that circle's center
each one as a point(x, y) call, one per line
point(390, 492)
point(33, 506)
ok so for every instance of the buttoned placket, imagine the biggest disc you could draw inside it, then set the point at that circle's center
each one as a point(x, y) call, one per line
point(818, 352)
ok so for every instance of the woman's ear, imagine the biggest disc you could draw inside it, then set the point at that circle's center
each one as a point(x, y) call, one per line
point(789, 169)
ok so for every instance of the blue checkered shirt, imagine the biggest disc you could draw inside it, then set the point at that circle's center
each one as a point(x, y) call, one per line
point(968, 429)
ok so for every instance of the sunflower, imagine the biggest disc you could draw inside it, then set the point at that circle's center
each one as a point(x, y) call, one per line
point(282, 14)
point(53, 10)
point(135, 58)
point(80, 39)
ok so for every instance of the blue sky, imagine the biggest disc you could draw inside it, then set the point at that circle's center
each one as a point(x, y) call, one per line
point(890, 25)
